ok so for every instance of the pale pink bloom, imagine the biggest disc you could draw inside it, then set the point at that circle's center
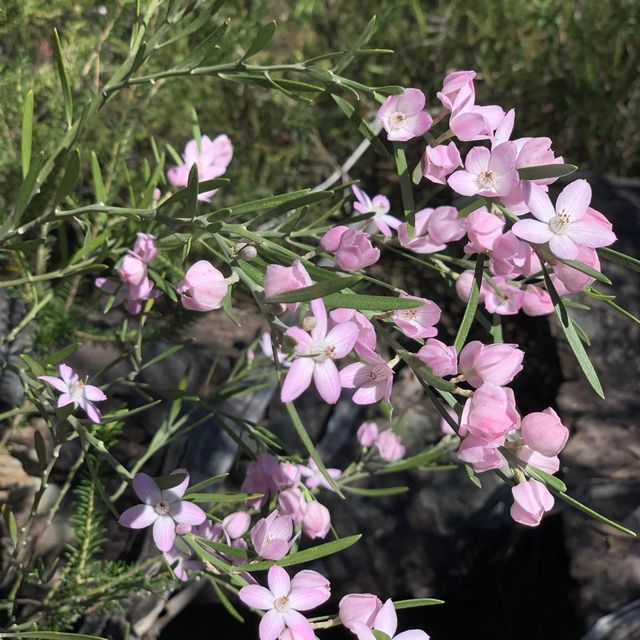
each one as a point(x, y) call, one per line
point(291, 503)
point(202, 288)
point(236, 524)
point(389, 445)
point(457, 89)
point(366, 333)
point(504, 130)
point(463, 286)
point(441, 161)
point(182, 563)
point(133, 270)
point(314, 477)
point(145, 247)
point(418, 322)
point(131, 295)
point(212, 159)
point(490, 414)
point(536, 301)
point(359, 608)
point(316, 520)
point(565, 228)
point(73, 390)
point(279, 279)
point(373, 378)
point(331, 239)
point(506, 301)
point(283, 601)
point(386, 621)
point(259, 479)
point(162, 508)
point(471, 123)
point(511, 257)
point(267, 349)
point(355, 251)
point(566, 279)
point(272, 536)
point(497, 363)
point(315, 355)
point(487, 173)
point(550, 464)
point(536, 152)
point(286, 475)
point(380, 206)
point(444, 225)
point(367, 434)
point(530, 501)
point(442, 359)
point(480, 455)
point(483, 230)
point(403, 116)
point(544, 432)
point(420, 241)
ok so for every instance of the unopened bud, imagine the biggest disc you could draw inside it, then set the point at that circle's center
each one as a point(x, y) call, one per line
point(309, 323)
point(276, 308)
point(245, 251)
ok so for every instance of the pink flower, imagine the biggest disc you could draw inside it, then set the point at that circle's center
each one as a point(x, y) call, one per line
point(380, 206)
point(566, 279)
point(503, 298)
point(550, 464)
point(212, 159)
point(259, 479)
point(367, 434)
point(73, 390)
point(497, 363)
point(355, 251)
point(314, 477)
point(487, 173)
point(444, 225)
point(536, 301)
point(373, 378)
point(420, 241)
point(291, 503)
point(145, 247)
point(531, 500)
point(359, 608)
point(463, 286)
point(471, 122)
point(182, 563)
point(279, 279)
point(490, 414)
point(480, 455)
point(331, 239)
point(283, 601)
point(236, 524)
point(389, 445)
point(418, 322)
point(315, 355)
point(441, 161)
point(483, 230)
point(161, 508)
point(457, 89)
point(403, 116)
point(267, 349)
point(272, 536)
point(442, 360)
point(316, 520)
point(366, 333)
point(386, 621)
point(544, 432)
point(286, 475)
point(567, 227)
point(511, 257)
point(133, 270)
point(202, 288)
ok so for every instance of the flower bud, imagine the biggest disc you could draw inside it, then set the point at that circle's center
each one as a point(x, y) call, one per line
point(359, 608)
point(543, 432)
point(316, 520)
point(202, 288)
point(367, 434)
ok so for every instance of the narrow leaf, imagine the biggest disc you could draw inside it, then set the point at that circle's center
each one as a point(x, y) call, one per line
point(26, 188)
point(416, 602)
point(98, 182)
point(545, 171)
point(41, 449)
point(583, 268)
point(64, 79)
point(222, 498)
point(546, 478)
point(27, 131)
point(71, 173)
point(60, 356)
point(472, 304)
point(261, 40)
point(373, 492)
point(314, 291)
point(619, 258)
point(369, 303)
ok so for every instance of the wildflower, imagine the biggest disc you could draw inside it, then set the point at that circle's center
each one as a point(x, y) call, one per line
point(497, 363)
point(380, 207)
point(389, 445)
point(359, 608)
point(355, 251)
point(279, 279)
point(202, 288)
point(536, 301)
point(490, 414)
point(442, 359)
point(403, 116)
point(367, 433)
point(484, 229)
point(386, 621)
point(272, 536)
point(418, 322)
point(440, 162)
point(531, 500)
point(543, 432)
point(316, 520)
point(457, 89)
point(373, 378)
point(181, 563)
point(314, 477)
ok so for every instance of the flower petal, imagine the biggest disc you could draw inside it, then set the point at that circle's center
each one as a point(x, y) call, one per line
point(94, 393)
point(64, 400)
point(538, 202)
point(412, 634)
point(563, 246)
point(353, 375)
point(164, 533)
point(464, 183)
point(56, 383)
point(477, 160)
point(299, 625)
point(574, 199)
point(91, 410)
point(256, 596)
point(327, 381)
point(342, 338)
point(138, 517)
point(298, 379)
point(271, 625)
point(305, 598)
point(320, 314)
point(146, 488)
point(590, 234)
point(532, 231)
point(187, 513)
point(175, 493)
point(279, 582)
point(386, 619)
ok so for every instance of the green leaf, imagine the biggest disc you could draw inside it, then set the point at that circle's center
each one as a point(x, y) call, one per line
point(98, 182)
point(374, 493)
point(622, 311)
point(222, 498)
point(362, 125)
point(11, 524)
point(223, 548)
point(300, 557)
point(583, 268)
point(226, 603)
point(471, 207)
point(206, 185)
point(165, 354)
point(60, 356)
point(123, 414)
point(263, 38)
point(27, 132)
point(619, 258)
point(544, 171)
point(572, 337)
point(472, 304)
point(416, 602)
point(546, 478)
point(191, 205)
point(369, 303)
point(357, 44)
point(26, 188)
point(419, 460)
point(472, 475)
point(36, 368)
point(64, 79)
point(41, 449)
point(315, 291)
point(71, 173)
point(380, 635)
point(259, 80)
point(292, 199)
point(205, 483)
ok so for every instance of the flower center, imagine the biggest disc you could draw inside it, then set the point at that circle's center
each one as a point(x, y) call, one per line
point(377, 372)
point(321, 351)
point(281, 604)
point(162, 508)
point(487, 179)
point(77, 391)
point(397, 119)
point(560, 222)
point(408, 314)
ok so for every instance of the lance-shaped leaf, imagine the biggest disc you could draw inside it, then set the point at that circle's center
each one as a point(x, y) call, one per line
point(263, 38)
point(619, 258)
point(64, 78)
point(472, 304)
point(70, 177)
point(369, 303)
point(416, 602)
point(544, 171)
point(27, 130)
point(315, 291)
point(363, 126)
point(369, 492)
point(590, 271)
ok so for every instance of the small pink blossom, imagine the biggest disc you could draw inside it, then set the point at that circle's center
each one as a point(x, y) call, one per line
point(512, 257)
point(279, 279)
point(403, 116)
point(259, 479)
point(386, 621)
point(440, 162)
point(314, 477)
point(420, 241)
point(367, 434)
point(484, 229)
point(355, 251)
point(212, 158)
point(380, 207)
point(162, 508)
point(202, 288)
point(359, 608)
point(530, 501)
point(182, 563)
point(550, 464)
point(442, 359)
point(315, 355)
point(266, 347)
point(331, 239)
point(445, 226)
point(133, 270)
point(503, 298)
point(272, 536)
point(418, 322)
point(389, 445)
point(497, 363)
point(544, 432)
point(471, 123)
point(283, 601)
point(567, 227)
point(291, 503)
point(463, 286)
point(457, 89)
point(487, 173)
point(373, 378)
point(316, 520)
point(536, 301)
point(236, 524)
point(75, 391)
point(286, 475)
point(566, 279)
point(366, 333)
point(480, 455)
